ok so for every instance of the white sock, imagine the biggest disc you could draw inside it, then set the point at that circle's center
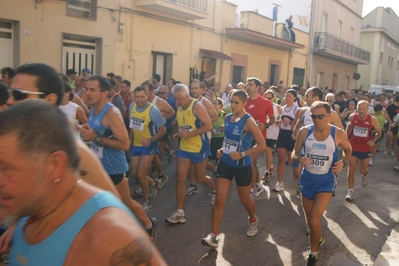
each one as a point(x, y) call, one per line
point(180, 212)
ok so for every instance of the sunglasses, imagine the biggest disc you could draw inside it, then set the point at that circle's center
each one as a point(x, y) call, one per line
point(329, 100)
point(161, 92)
point(320, 117)
point(270, 98)
point(22, 94)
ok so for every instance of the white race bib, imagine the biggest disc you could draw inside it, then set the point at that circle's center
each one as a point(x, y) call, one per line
point(229, 146)
point(97, 149)
point(360, 131)
point(137, 123)
point(187, 128)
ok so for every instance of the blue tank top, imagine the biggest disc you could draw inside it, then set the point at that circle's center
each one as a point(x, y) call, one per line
point(113, 160)
point(54, 249)
point(322, 154)
point(236, 139)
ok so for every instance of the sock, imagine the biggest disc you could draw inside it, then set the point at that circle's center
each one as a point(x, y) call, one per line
point(180, 212)
point(214, 234)
point(161, 176)
point(191, 185)
point(213, 192)
point(259, 184)
point(314, 253)
point(253, 220)
point(351, 190)
point(148, 228)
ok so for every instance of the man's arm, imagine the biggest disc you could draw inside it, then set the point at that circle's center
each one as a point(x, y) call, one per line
point(298, 123)
point(211, 110)
point(335, 120)
point(300, 140)
point(200, 112)
point(76, 99)
point(348, 129)
point(113, 120)
point(165, 109)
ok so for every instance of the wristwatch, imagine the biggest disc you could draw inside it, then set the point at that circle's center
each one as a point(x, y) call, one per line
point(243, 154)
point(98, 139)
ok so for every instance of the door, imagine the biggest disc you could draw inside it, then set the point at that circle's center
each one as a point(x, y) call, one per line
point(238, 73)
point(299, 74)
point(6, 44)
point(162, 64)
point(335, 80)
point(274, 74)
point(78, 52)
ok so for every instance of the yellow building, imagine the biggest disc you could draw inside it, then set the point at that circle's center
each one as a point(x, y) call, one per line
point(137, 38)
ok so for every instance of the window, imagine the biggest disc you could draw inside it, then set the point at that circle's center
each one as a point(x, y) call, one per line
point(299, 74)
point(162, 64)
point(381, 57)
point(6, 44)
point(389, 60)
point(339, 29)
point(82, 9)
point(324, 25)
point(346, 83)
point(319, 78)
point(79, 52)
point(351, 36)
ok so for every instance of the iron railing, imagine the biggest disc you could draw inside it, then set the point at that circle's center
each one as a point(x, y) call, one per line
point(195, 4)
point(324, 40)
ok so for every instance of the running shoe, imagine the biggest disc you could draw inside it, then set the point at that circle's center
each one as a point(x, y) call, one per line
point(153, 231)
point(163, 180)
point(153, 189)
point(365, 181)
point(147, 205)
point(192, 190)
point(257, 190)
point(396, 167)
point(321, 242)
point(172, 154)
point(139, 192)
point(176, 218)
point(386, 152)
point(213, 198)
point(371, 162)
point(211, 240)
point(266, 176)
point(351, 195)
point(253, 227)
point(392, 154)
point(298, 190)
point(279, 187)
point(312, 260)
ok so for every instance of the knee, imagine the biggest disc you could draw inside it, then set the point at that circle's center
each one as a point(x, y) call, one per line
point(245, 200)
point(313, 223)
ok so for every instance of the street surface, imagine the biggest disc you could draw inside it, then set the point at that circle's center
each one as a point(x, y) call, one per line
point(354, 231)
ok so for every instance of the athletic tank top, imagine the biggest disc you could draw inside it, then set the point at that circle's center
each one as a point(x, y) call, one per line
point(113, 160)
point(225, 99)
point(70, 112)
point(236, 139)
point(288, 116)
point(361, 134)
point(381, 119)
point(217, 125)
point(272, 131)
point(142, 126)
point(187, 121)
point(154, 101)
point(322, 154)
point(306, 118)
point(54, 249)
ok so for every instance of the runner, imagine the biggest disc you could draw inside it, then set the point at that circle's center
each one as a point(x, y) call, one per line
point(360, 126)
point(193, 122)
point(259, 108)
point(147, 128)
point(236, 155)
point(317, 149)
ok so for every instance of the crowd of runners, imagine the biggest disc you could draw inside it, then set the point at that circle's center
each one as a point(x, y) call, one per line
point(104, 129)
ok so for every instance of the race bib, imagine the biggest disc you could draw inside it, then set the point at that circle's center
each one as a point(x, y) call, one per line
point(97, 149)
point(360, 131)
point(229, 146)
point(318, 164)
point(137, 123)
point(187, 128)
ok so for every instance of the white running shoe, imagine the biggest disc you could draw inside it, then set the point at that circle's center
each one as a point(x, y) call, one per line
point(176, 218)
point(211, 240)
point(371, 162)
point(253, 227)
point(351, 195)
point(279, 187)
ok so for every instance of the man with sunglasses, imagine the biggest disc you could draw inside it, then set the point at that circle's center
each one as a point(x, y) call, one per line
point(316, 148)
point(359, 130)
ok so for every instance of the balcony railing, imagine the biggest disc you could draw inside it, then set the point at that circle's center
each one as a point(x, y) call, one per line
point(196, 4)
point(329, 43)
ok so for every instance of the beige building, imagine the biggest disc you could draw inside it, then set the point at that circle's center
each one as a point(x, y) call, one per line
point(137, 38)
point(380, 36)
point(335, 44)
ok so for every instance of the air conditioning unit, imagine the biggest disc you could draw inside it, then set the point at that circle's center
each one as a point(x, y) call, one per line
point(318, 40)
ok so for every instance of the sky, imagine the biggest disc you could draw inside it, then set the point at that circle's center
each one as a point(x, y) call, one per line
point(369, 5)
point(301, 12)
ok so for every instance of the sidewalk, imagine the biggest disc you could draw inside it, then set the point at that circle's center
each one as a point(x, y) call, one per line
point(390, 251)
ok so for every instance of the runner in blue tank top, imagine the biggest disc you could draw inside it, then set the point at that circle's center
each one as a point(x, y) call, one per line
point(236, 162)
point(109, 139)
point(316, 148)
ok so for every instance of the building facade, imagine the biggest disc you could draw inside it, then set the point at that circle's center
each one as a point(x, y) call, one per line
point(136, 38)
point(335, 52)
point(380, 36)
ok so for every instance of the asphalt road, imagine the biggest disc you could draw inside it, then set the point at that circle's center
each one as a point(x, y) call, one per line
point(354, 231)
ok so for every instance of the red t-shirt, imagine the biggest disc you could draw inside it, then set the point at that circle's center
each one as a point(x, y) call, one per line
point(260, 109)
point(361, 134)
point(126, 99)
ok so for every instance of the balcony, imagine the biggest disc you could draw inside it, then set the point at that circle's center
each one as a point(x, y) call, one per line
point(328, 45)
point(184, 9)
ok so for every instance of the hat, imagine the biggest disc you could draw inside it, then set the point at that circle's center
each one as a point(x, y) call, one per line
point(86, 70)
point(71, 71)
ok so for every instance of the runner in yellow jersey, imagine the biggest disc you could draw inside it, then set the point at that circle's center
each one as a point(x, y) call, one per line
point(193, 122)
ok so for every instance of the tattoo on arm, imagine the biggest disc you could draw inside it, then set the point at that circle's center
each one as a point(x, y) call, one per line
point(138, 252)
